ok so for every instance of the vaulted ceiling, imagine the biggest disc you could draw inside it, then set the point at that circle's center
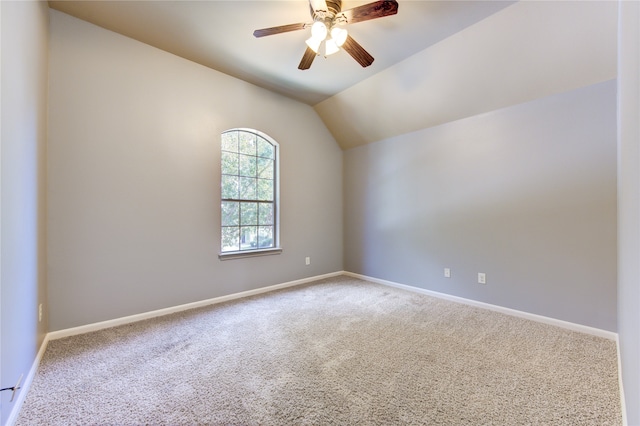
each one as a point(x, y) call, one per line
point(430, 58)
point(219, 35)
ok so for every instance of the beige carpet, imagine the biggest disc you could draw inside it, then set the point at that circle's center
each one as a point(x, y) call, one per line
point(339, 351)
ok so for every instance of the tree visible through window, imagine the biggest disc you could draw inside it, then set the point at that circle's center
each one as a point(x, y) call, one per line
point(249, 191)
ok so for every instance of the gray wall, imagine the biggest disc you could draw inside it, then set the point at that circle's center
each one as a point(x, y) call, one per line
point(22, 220)
point(134, 185)
point(525, 194)
point(629, 204)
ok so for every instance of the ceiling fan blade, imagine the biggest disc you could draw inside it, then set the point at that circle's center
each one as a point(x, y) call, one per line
point(317, 5)
point(357, 52)
point(307, 59)
point(373, 10)
point(277, 30)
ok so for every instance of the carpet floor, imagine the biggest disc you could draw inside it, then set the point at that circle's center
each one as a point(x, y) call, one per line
point(339, 351)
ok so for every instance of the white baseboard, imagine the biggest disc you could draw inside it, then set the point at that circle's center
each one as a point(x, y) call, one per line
point(152, 314)
point(13, 416)
point(513, 312)
point(539, 318)
point(24, 390)
point(166, 311)
point(623, 405)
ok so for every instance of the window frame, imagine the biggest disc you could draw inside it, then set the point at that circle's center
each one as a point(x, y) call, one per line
point(276, 249)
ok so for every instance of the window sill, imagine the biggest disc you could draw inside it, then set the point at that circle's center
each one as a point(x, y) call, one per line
point(249, 253)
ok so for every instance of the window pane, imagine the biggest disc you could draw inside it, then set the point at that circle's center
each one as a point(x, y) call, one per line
point(265, 149)
point(265, 168)
point(265, 236)
point(229, 163)
point(247, 188)
point(265, 190)
point(247, 166)
point(265, 215)
point(230, 239)
point(247, 143)
point(230, 141)
point(248, 237)
point(229, 187)
point(249, 214)
point(230, 213)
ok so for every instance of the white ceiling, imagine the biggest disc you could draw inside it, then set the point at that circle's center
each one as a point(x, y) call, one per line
point(530, 50)
point(219, 34)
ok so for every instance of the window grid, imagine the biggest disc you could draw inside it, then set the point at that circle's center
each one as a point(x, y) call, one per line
point(248, 184)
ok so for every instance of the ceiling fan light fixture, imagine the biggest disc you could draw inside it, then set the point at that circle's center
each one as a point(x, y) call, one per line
point(314, 44)
point(327, 34)
point(339, 36)
point(319, 31)
point(330, 47)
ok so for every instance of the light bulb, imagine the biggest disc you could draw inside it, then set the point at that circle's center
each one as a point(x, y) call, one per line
point(319, 31)
point(330, 47)
point(339, 35)
point(314, 44)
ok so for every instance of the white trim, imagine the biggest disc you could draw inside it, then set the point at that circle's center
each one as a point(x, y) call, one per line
point(166, 311)
point(623, 405)
point(276, 199)
point(13, 417)
point(24, 390)
point(513, 312)
point(231, 255)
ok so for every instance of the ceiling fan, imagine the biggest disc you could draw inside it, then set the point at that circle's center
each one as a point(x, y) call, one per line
point(328, 34)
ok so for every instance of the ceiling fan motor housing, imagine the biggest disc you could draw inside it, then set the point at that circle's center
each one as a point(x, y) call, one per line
point(333, 8)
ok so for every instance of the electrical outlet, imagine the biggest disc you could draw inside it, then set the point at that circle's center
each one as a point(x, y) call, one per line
point(307, 260)
point(40, 312)
point(482, 278)
point(447, 273)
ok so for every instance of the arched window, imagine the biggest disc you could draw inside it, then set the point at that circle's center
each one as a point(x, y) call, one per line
point(249, 189)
